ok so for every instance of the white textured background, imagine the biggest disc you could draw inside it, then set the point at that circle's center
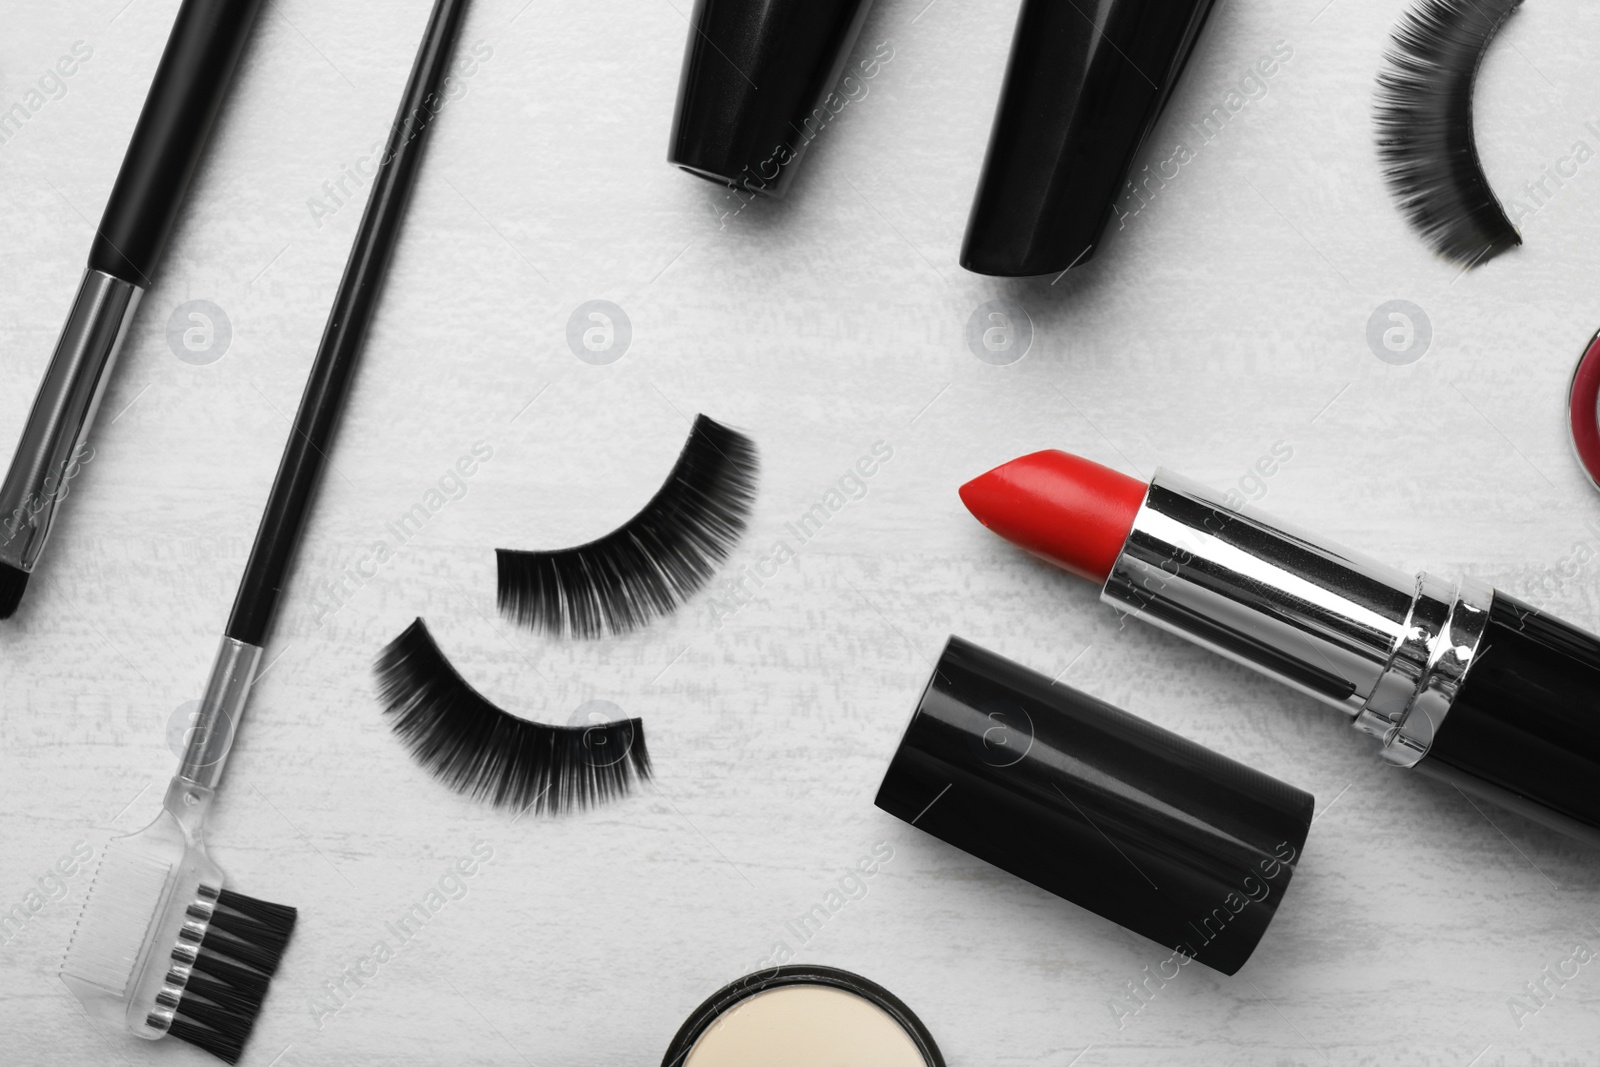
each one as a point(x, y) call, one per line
point(1228, 317)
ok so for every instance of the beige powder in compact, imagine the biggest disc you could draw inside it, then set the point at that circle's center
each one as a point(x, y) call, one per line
point(805, 1026)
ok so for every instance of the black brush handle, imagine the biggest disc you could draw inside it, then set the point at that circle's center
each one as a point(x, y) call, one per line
point(185, 96)
point(314, 424)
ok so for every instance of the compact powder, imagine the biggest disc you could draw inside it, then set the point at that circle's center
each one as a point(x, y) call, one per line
point(800, 1016)
point(805, 1026)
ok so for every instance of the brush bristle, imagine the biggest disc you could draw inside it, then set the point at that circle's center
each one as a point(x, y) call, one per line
point(245, 981)
point(13, 583)
point(123, 900)
point(1425, 134)
point(242, 999)
point(266, 925)
point(655, 561)
point(224, 1040)
point(239, 954)
point(476, 748)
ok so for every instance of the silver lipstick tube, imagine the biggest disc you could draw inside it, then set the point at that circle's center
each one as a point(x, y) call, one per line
point(63, 411)
point(1390, 649)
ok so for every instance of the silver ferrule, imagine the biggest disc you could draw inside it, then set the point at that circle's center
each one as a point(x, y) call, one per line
point(1388, 648)
point(211, 736)
point(55, 438)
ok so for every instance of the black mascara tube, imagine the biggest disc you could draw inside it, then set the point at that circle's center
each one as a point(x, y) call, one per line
point(1083, 89)
point(757, 87)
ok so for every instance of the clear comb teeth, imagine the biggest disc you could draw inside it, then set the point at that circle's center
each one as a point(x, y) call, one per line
point(123, 900)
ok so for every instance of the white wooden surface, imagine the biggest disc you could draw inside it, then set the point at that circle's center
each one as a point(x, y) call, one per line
point(1228, 317)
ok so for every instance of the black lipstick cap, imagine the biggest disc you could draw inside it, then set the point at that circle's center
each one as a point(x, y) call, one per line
point(758, 85)
point(1079, 98)
point(1115, 814)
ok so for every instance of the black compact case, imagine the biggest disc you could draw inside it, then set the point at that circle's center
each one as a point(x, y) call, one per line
point(1135, 823)
point(756, 78)
point(1083, 88)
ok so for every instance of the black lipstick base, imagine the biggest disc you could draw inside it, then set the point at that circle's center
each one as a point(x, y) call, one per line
point(1524, 730)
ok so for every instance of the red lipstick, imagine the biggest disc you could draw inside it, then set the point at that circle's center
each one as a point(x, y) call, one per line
point(1089, 513)
point(1459, 680)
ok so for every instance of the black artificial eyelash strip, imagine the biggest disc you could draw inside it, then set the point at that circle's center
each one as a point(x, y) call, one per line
point(1424, 123)
point(653, 563)
point(476, 748)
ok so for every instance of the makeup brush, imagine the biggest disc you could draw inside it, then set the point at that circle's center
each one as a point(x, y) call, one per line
point(162, 948)
point(190, 83)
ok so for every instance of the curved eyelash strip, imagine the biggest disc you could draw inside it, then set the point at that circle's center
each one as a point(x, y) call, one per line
point(651, 564)
point(489, 754)
point(1424, 125)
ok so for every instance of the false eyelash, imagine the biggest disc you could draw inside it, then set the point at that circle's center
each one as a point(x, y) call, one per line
point(1424, 125)
point(651, 564)
point(477, 749)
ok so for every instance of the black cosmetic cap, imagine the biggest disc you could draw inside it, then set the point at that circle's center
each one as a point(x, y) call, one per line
point(1115, 814)
point(756, 86)
point(1079, 98)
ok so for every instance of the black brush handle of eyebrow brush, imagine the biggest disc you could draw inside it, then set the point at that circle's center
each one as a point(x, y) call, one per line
point(304, 457)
